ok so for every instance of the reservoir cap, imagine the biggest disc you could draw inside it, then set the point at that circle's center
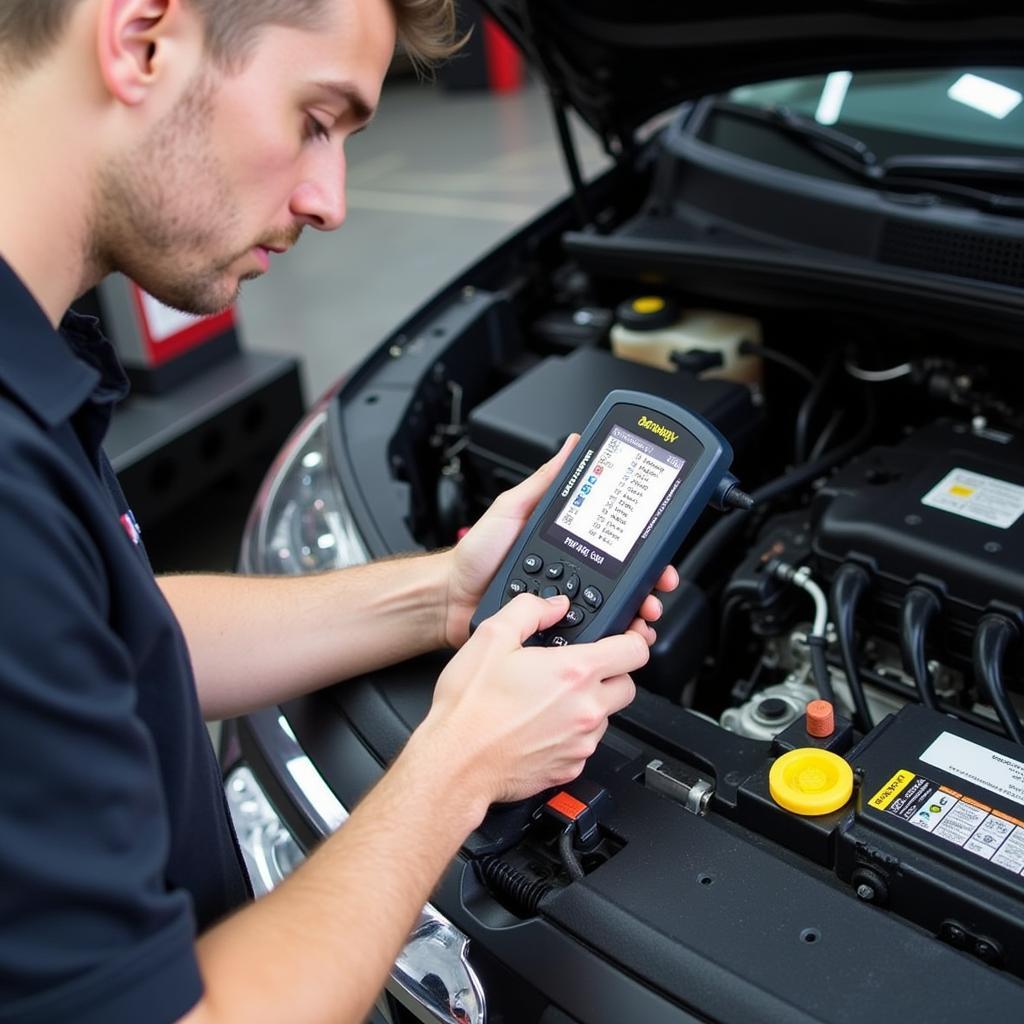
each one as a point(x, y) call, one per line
point(810, 781)
point(821, 720)
point(647, 313)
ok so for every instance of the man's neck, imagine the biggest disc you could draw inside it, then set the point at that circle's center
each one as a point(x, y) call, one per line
point(45, 182)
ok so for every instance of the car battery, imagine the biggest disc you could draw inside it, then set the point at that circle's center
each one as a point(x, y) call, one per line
point(937, 835)
point(524, 424)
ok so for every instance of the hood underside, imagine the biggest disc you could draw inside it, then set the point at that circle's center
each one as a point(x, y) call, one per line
point(620, 64)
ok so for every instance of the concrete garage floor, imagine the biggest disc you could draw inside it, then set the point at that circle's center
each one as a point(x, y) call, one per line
point(437, 180)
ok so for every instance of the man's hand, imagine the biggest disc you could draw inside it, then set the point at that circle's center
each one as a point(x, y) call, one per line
point(478, 556)
point(523, 719)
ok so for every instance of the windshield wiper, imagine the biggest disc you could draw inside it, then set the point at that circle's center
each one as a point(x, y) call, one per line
point(934, 175)
point(965, 168)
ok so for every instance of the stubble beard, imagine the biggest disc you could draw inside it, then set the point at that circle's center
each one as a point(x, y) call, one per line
point(164, 212)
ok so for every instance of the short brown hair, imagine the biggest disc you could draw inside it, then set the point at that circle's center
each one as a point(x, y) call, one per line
point(426, 28)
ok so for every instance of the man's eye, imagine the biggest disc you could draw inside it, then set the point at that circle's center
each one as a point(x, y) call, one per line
point(316, 129)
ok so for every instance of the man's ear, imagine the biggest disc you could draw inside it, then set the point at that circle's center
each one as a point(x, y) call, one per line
point(135, 39)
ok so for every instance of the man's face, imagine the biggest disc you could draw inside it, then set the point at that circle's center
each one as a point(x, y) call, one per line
point(244, 161)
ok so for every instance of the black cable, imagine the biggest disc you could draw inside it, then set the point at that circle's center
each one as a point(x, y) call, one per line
point(752, 348)
point(568, 855)
point(809, 406)
point(827, 433)
point(994, 635)
point(887, 684)
point(732, 605)
point(816, 647)
point(849, 586)
point(708, 548)
point(920, 607)
point(501, 878)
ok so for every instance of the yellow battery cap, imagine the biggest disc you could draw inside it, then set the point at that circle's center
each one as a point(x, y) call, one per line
point(648, 304)
point(810, 781)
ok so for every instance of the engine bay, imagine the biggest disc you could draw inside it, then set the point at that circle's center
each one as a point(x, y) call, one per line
point(880, 571)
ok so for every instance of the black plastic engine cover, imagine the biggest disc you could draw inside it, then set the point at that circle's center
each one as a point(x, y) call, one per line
point(943, 507)
point(515, 430)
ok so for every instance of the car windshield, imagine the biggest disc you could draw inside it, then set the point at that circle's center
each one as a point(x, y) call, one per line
point(966, 109)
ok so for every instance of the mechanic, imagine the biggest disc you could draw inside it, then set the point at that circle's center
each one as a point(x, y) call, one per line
point(179, 141)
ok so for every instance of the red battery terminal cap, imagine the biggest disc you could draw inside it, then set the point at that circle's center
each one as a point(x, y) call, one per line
point(821, 720)
point(810, 781)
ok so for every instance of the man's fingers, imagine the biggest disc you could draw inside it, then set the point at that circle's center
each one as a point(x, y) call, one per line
point(612, 656)
point(651, 609)
point(554, 464)
point(618, 693)
point(524, 496)
point(526, 614)
point(643, 630)
point(668, 581)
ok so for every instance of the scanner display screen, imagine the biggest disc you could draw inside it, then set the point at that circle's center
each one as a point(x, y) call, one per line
point(618, 496)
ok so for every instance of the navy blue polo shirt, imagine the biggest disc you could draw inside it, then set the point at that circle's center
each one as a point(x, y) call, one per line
point(115, 845)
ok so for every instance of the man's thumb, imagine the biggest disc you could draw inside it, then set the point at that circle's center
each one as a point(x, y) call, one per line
point(528, 614)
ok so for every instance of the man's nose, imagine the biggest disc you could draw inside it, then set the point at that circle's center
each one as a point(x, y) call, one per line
point(319, 200)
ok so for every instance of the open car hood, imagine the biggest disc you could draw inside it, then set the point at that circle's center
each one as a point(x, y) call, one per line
point(619, 64)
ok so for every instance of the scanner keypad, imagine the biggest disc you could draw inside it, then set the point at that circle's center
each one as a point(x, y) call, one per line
point(551, 581)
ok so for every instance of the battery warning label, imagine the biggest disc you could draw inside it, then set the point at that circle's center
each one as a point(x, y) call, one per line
point(955, 818)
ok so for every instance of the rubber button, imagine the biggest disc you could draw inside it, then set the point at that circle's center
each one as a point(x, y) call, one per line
point(572, 586)
point(772, 709)
point(533, 564)
point(554, 570)
point(810, 781)
point(593, 597)
point(821, 721)
point(549, 591)
point(574, 617)
point(516, 587)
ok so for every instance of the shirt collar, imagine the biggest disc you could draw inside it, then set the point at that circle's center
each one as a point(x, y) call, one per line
point(53, 373)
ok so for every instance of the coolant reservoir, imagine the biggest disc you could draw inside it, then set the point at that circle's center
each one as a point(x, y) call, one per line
point(649, 328)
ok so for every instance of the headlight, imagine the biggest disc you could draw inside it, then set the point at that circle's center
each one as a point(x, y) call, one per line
point(432, 976)
point(301, 522)
point(268, 848)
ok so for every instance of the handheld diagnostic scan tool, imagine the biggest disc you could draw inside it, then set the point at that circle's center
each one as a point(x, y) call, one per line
point(642, 473)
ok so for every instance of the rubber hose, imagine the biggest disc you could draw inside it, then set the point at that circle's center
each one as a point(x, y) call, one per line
point(809, 406)
point(994, 635)
point(920, 606)
point(849, 586)
point(507, 881)
point(568, 855)
point(707, 549)
point(816, 646)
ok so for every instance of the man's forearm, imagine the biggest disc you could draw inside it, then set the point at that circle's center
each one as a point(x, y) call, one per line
point(318, 949)
point(256, 641)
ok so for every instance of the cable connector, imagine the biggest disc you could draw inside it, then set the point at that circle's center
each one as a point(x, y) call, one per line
point(728, 495)
point(574, 810)
point(697, 360)
point(576, 807)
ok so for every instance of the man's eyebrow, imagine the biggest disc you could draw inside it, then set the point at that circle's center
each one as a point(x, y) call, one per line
point(350, 94)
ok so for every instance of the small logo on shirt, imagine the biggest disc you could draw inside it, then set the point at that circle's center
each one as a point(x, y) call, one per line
point(131, 527)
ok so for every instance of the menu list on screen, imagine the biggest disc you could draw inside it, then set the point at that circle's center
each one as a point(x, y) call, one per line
point(619, 494)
